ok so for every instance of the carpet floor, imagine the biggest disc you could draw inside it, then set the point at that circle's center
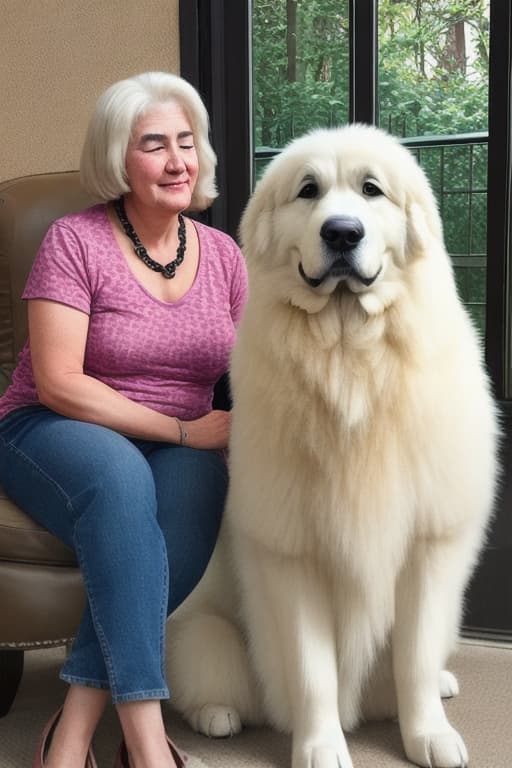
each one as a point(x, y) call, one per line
point(482, 713)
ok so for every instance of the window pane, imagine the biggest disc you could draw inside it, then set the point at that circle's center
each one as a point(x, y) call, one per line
point(457, 173)
point(433, 66)
point(433, 81)
point(300, 69)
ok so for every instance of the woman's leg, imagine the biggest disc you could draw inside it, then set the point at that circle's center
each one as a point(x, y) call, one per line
point(94, 489)
point(144, 734)
point(191, 488)
point(70, 742)
point(196, 486)
point(141, 722)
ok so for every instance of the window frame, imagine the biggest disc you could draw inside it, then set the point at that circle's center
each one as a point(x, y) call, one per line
point(215, 50)
point(499, 201)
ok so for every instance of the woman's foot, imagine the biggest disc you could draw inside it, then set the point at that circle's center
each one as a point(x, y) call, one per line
point(123, 761)
point(145, 741)
point(66, 740)
point(41, 759)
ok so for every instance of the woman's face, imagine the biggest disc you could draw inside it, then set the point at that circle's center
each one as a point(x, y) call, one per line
point(161, 159)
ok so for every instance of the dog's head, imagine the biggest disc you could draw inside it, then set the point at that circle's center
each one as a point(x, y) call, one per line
point(339, 209)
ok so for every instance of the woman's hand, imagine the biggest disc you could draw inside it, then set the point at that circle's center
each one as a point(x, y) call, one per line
point(210, 431)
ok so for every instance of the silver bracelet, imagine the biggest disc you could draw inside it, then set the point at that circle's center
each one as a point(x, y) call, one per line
point(183, 431)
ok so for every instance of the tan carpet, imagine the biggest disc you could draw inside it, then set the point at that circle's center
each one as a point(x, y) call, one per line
point(482, 713)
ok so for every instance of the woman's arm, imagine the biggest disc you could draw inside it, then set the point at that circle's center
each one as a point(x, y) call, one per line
point(58, 335)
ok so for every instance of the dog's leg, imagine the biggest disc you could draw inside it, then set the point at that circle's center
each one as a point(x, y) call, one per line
point(208, 668)
point(428, 605)
point(290, 625)
point(379, 696)
point(448, 684)
point(379, 699)
point(209, 675)
point(362, 626)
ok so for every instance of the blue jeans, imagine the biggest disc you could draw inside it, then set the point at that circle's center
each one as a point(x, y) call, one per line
point(142, 517)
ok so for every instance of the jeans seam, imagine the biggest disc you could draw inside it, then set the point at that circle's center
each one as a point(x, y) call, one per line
point(86, 681)
point(163, 614)
point(102, 640)
point(155, 693)
point(14, 449)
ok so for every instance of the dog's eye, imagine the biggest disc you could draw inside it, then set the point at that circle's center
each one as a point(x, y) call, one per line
point(309, 190)
point(371, 190)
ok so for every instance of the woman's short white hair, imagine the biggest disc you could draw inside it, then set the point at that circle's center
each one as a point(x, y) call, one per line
point(102, 164)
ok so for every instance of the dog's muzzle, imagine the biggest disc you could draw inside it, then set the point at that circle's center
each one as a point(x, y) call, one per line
point(341, 236)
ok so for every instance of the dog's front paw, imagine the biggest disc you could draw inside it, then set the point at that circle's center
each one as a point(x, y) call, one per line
point(216, 721)
point(321, 756)
point(445, 749)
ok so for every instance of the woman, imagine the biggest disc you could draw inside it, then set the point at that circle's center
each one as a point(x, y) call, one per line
point(107, 433)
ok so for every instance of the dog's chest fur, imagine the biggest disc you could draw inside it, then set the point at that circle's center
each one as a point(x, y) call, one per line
point(346, 368)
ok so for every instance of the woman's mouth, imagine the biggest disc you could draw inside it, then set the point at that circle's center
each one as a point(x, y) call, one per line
point(173, 184)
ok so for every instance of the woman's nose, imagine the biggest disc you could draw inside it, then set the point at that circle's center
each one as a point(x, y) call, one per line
point(175, 163)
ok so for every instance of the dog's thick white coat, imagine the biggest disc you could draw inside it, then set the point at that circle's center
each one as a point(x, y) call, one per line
point(362, 463)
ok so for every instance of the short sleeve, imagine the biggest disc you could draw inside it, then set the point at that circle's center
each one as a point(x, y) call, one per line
point(59, 272)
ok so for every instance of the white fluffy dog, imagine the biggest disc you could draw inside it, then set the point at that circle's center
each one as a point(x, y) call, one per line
point(362, 461)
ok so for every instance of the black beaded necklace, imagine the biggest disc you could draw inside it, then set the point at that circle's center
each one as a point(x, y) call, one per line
point(169, 270)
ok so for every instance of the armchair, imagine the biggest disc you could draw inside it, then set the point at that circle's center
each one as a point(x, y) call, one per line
point(41, 592)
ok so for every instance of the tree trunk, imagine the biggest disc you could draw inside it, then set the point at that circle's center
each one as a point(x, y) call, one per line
point(291, 39)
point(453, 58)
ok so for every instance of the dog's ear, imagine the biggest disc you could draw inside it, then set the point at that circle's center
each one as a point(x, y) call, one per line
point(255, 224)
point(419, 234)
point(423, 220)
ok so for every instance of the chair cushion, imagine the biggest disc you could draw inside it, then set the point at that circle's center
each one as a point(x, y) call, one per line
point(28, 206)
point(24, 541)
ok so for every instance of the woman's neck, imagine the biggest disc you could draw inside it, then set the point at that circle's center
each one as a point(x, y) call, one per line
point(155, 227)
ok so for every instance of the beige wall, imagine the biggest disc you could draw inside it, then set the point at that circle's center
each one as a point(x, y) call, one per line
point(57, 56)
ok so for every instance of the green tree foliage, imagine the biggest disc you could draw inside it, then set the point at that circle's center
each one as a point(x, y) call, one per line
point(433, 66)
point(300, 65)
point(433, 62)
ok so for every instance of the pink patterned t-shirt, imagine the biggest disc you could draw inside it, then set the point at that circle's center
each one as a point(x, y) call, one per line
point(164, 355)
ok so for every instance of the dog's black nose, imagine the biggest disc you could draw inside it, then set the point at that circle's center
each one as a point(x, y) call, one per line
point(342, 232)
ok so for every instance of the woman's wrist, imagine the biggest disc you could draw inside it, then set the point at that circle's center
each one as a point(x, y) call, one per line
point(182, 432)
